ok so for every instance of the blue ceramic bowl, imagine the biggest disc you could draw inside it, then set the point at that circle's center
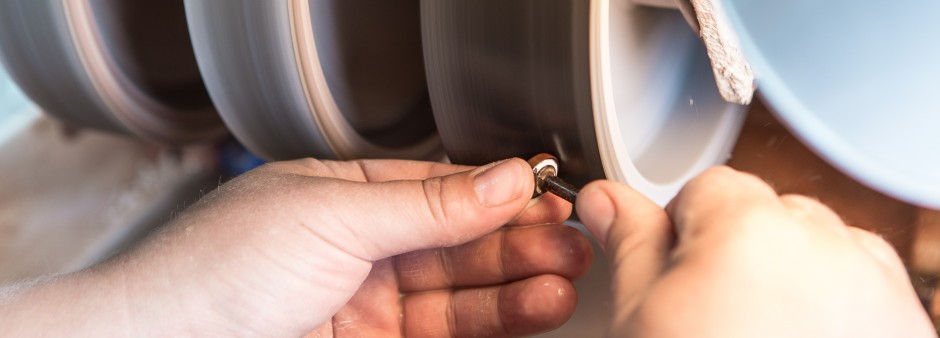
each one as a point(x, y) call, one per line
point(858, 81)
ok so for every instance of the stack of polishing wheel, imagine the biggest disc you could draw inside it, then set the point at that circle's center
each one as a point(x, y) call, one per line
point(115, 65)
point(613, 89)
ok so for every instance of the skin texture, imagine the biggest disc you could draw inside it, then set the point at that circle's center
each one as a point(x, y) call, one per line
point(392, 248)
point(730, 258)
point(319, 248)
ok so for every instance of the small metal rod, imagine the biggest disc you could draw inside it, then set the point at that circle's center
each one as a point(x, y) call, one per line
point(560, 188)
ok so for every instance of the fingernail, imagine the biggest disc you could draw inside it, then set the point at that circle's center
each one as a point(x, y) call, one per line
point(498, 183)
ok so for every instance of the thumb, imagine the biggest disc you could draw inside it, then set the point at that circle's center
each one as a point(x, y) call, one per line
point(379, 220)
point(636, 234)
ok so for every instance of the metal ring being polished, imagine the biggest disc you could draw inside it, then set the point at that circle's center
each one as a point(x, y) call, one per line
point(614, 89)
point(266, 69)
point(66, 58)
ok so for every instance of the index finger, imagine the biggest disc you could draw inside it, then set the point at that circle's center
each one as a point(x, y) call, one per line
point(542, 210)
point(368, 170)
point(393, 170)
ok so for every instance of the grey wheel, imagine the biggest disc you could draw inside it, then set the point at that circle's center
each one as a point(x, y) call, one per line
point(337, 79)
point(613, 89)
point(117, 65)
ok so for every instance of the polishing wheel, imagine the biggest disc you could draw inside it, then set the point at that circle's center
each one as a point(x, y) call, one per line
point(613, 89)
point(340, 79)
point(117, 65)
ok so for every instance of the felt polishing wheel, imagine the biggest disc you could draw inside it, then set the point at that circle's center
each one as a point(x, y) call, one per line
point(613, 89)
point(116, 65)
point(338, 79)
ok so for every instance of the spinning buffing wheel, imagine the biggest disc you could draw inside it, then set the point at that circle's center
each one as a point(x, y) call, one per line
point(336, 79)
point(116, 65)
point(612, 88)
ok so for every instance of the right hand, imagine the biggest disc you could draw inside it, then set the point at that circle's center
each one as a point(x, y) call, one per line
point(730, 258)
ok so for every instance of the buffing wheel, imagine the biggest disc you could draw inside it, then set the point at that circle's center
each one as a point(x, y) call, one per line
point(338, 79)
point(614, 89)
point(117, 65)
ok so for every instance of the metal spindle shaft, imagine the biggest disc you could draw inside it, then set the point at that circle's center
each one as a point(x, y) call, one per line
point(560, 188)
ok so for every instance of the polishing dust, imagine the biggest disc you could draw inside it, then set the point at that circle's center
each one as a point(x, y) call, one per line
point(67, 201)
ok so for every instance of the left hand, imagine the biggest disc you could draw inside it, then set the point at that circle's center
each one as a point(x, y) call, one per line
point(363, 248)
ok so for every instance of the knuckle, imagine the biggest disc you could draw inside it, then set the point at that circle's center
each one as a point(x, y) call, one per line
point(798, 198)
point(434, 205)
point(878, 247)
point(800, 203)
point(727, 175)
point(718, 172)
point(805, 206)
point(303, 166)
point(871, 238)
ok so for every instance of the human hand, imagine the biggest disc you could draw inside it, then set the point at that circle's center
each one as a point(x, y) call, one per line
point(325, 240)
point(326, 248)
point(730, 258)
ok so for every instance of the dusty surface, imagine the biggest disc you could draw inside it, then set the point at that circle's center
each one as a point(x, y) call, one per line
point(67, 199)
